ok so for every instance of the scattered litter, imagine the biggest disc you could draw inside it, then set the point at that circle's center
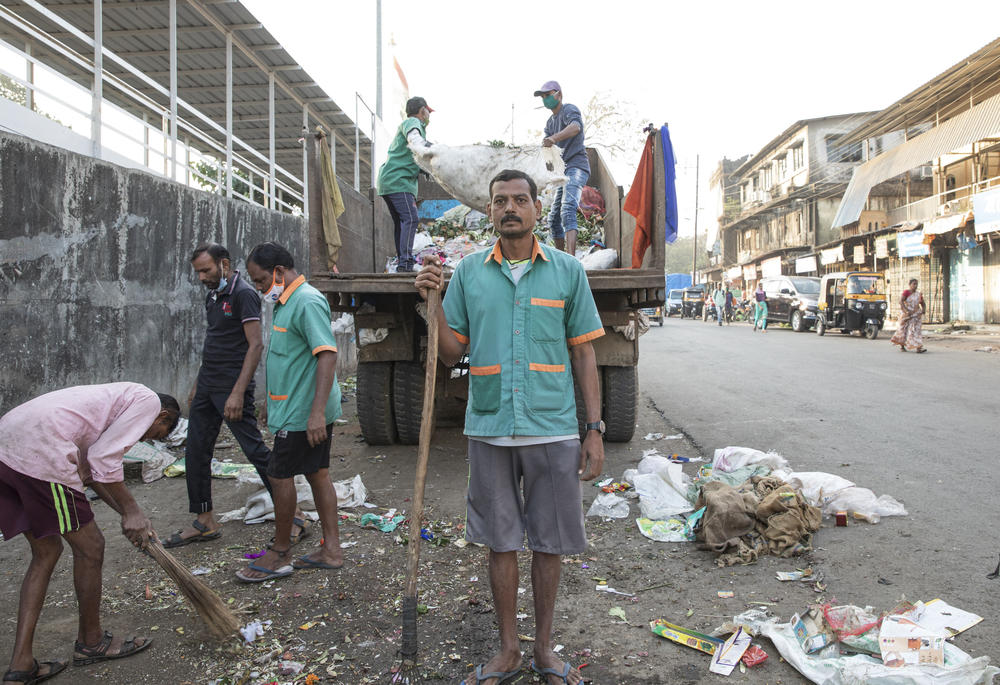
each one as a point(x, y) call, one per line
point(153, 459)
point(987, 348)
point(251, 631)
point(350, 492)
point(800, 574)
point(345, 545)
point(385, 522)
point(609, 505)
point(671, 530)
point(729, 654)
point(941, 616)
point(255, 555)
point(307, 625)
point(611, 591)
point(618, 612)
point(904, 642)
point(686, 637)
point(290, 667)
point(753, 656)
point(200, 571)
point(725, 594)
point(812, 631)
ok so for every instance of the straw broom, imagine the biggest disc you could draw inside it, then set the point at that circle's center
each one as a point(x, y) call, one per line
point(406, 672)
point(220, 620)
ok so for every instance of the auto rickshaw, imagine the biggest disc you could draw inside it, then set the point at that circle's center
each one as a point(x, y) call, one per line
point(852, 301)
point(693, 302)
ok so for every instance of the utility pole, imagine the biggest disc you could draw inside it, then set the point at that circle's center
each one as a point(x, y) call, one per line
point(378, 58)
point(694, 257)
point(512, 124)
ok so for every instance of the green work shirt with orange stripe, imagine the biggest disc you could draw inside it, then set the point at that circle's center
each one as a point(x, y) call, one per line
point(300, 331)
point(519, 335)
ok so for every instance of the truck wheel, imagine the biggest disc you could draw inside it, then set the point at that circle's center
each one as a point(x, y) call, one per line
point(375, 415)
point(408, 400)
point(820, 325)
point(620, 399)
point(871, 331)
point(798, 321)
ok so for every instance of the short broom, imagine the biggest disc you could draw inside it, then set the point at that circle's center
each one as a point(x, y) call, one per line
point(220, 620)
point(406, 672)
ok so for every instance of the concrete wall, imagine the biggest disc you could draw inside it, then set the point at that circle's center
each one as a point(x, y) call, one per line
point(95, 283)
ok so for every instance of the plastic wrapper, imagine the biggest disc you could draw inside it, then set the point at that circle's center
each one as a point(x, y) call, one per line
point(755, 655)
point(671, 530)
point(660, 500)
point(609, 505)
point(861, 503)
point(729, 459)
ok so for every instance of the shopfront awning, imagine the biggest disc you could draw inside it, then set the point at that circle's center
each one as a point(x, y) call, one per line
point(945, 224)
point(982, 121)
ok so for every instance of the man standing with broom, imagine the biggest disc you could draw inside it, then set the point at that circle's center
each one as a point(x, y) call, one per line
point(527, 317)
point(50, 448)
point(303, 400)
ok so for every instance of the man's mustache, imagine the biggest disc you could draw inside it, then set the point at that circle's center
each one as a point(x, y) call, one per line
point(511, 217)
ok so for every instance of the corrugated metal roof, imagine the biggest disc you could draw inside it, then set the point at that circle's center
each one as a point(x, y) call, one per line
point(138, 31)
point(981, 121)
point(973, 80)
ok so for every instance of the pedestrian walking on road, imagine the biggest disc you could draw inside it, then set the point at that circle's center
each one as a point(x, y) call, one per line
point(760, 308)
point(729, 305)
point(719, 298)
point(909, 331)
point(527, 317)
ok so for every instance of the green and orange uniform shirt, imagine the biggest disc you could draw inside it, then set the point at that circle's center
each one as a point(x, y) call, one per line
point(300, 330)
point(518, 333)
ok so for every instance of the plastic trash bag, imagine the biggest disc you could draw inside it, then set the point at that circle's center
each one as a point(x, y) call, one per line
point(609, 505)
point(862, 503)
point(600, 260)
point(732, 458)
point(817, 486)
point(658, 499)
point(350, 492)
point(829, 668)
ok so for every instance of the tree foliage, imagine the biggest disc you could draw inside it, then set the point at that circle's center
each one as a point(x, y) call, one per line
point(678, 255)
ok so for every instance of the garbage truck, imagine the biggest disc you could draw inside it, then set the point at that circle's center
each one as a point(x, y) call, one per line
point(390, 376)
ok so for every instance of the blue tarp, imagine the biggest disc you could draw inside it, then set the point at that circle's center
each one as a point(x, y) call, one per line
point(678, 281)
point(670, 180)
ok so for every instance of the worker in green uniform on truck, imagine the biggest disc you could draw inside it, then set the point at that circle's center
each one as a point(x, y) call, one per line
point(397, 180)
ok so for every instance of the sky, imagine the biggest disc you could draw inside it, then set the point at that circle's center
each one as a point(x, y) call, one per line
point(726, 76)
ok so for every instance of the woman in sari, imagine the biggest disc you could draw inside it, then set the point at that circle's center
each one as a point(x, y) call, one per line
point(909, 332)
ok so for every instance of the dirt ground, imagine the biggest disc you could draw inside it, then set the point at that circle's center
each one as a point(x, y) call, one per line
point(344, 626)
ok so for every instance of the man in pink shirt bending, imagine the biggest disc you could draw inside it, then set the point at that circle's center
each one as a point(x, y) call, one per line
point(50, 448)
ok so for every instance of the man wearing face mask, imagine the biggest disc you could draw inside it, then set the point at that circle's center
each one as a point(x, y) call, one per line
point(224, 389)
point(565, 129)
point(397, 179)
point(303, 400)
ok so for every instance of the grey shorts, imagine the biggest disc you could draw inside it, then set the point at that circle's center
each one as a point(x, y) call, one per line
point(533, 489)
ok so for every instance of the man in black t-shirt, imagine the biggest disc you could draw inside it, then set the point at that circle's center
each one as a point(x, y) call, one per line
point(224, 389)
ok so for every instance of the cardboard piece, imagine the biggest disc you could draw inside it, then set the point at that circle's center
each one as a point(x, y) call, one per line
point(812, 632)
point(942, 617)
point(729, 654)
point(686, 637)
point(905, 642)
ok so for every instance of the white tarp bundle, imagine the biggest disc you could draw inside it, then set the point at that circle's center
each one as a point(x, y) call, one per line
point(465, 170)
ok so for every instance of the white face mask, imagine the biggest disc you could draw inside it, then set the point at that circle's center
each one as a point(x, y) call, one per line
point(276, 289)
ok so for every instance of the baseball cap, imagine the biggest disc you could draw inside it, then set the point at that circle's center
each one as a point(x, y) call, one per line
point(413, 106)
point(547, 86)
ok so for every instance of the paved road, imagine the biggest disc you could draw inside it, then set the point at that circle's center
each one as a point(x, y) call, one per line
point(922, 428)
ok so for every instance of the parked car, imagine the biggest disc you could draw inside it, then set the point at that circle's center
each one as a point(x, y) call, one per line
point(793, 300)
point(675, 302)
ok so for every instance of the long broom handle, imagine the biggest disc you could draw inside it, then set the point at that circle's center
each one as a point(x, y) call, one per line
point(409, 642)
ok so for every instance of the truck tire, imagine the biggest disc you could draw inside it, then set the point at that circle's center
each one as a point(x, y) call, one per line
point(620, 395)
point(408, 400)
point(378, 427)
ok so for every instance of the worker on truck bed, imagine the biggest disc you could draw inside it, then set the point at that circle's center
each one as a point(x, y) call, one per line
point(565, 129)
point(50, 448)
point(527, 317)
point(397, 179)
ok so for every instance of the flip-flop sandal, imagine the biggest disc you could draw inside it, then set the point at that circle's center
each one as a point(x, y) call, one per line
point(93, 655)
point(204, 535)
point(501, 676)
point(304, 562)
point(31, 677)
point(272, 573)
point(546, 672)
point(303, 533)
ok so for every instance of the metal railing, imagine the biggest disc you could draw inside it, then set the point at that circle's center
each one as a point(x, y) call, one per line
point(949, 201)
